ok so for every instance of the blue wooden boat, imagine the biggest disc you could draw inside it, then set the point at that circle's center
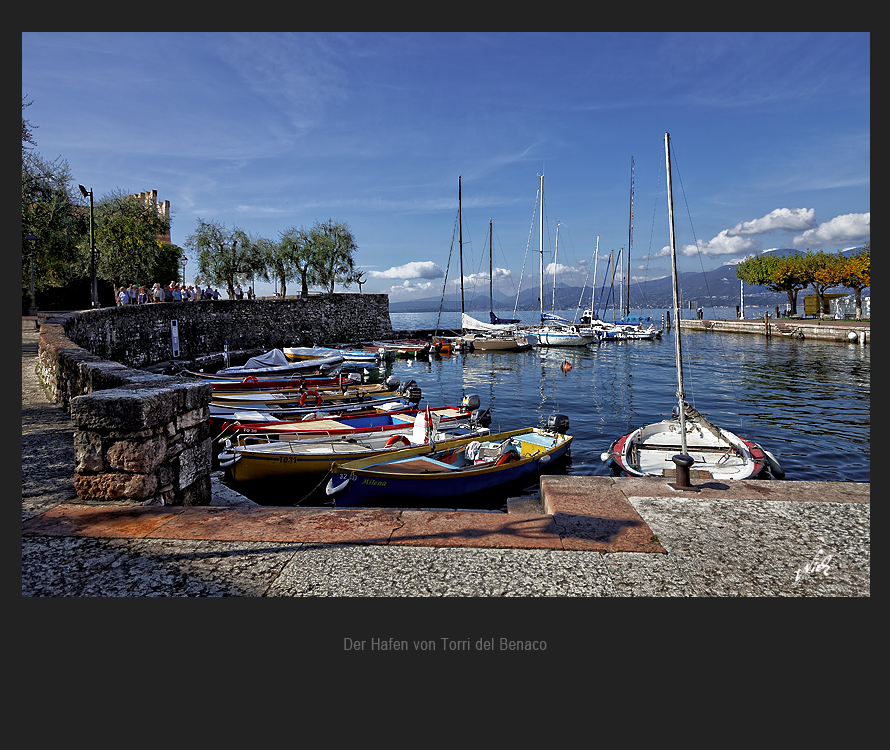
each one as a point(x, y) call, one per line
point(303, 353)
point(465, 471)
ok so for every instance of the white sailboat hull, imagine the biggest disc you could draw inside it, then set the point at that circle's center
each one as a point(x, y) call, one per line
point(648, 452)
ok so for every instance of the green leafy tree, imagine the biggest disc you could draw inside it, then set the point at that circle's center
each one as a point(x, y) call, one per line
point(52, 212)
point(126, 231)
point(786, 274)
point(332, 254)
point(226, 256)
point(293, 259)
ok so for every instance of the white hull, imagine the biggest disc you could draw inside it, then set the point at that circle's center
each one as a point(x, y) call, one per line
point(649, 451)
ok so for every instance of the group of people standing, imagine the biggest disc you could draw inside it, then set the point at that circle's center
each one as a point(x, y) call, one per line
point(173, 292)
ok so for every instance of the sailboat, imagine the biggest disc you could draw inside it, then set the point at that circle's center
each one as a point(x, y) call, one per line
point(555, 330)
point(629, 326)
point(499, 335)
point(687, 445)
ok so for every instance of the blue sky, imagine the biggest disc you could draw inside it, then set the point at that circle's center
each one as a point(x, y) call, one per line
point(264, 131)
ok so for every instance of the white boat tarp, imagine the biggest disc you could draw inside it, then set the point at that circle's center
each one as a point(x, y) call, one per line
point(471, 324)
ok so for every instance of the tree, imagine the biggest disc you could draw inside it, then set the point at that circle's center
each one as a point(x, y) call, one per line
point(226, 256)
point(855, 273)
point(821, 268)
point(293, 259)
point(51, 211)
point(786, 274)
point(126, 232)
point(332, 259)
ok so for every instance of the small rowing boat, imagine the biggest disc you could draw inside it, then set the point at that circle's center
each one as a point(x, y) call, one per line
point(440, 475)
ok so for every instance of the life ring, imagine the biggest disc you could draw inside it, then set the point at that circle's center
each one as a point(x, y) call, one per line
point(310, 393)
point(506, 458)
point(397, 439)
point(250, 379)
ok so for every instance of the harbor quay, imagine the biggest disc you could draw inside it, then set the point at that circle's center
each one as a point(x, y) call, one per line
point(582, 536)
point(824, 329)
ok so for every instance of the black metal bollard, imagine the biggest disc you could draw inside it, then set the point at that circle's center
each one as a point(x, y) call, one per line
point(683, 463)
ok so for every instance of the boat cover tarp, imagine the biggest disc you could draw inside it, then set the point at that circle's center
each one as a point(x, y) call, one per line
point(495, 320)
point(471, 324)
point(274, 358)
point(551, 318)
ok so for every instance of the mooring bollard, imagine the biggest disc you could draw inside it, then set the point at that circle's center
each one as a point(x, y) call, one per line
point(683, 462)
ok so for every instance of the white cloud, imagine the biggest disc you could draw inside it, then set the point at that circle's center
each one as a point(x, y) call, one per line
point(722, 244)
point(839, 231)
point(781, 219)
point(424, 269)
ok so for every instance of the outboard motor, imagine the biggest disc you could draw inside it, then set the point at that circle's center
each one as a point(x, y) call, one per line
point(471, 403)
point(413, 393)
point(403, 388)
point(392, 382)
point(558, 423)
point(481, 418)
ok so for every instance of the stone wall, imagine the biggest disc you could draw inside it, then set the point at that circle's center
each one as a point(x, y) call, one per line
point(144, 438)
point(141, 335)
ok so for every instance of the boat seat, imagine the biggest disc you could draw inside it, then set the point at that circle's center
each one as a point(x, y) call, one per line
point(693, 474)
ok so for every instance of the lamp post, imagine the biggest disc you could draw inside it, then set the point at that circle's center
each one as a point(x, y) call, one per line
point(185, 262)
point(95, 290)
point(32, 310)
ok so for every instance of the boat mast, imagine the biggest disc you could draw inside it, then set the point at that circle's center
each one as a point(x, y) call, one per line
point(630, 235)
point(541, 247)
point(555, 255)
point(678, 346)
point(490, 272)
point(461, 240)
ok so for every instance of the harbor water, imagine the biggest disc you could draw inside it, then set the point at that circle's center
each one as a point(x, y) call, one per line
point(806, 401)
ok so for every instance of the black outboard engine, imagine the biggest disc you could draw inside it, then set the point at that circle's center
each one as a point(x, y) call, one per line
point(392, 382)
point(413, 393)
point(481, 418)
point(403, 388)
point(558, 423)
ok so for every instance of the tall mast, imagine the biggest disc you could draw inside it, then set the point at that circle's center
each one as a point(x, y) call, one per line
point(490, 272)
point(541, 246)
point(678, 346)
point(461, 240)
point(555, 256)
point(630, 235)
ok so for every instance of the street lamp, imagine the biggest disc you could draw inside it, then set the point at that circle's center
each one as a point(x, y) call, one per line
point(95, 292)
point(185, 262)
point(32, 310)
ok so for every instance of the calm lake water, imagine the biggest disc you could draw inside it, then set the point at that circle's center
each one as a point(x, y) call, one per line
point(807, 402)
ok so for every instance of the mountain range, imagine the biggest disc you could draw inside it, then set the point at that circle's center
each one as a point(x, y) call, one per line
point(717, 288)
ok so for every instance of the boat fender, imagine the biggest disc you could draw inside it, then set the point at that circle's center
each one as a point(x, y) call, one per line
point(775, 469)
point(395, 439)
point(250, 379)
point(332, 489)
point(507, 457)
point(310, 393)
point(543, 460)
point(227, 459)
